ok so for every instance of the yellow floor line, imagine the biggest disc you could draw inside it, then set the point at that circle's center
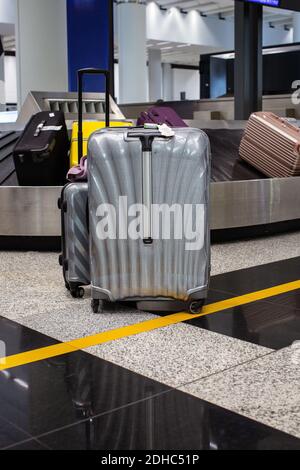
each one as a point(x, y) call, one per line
point(149, 325)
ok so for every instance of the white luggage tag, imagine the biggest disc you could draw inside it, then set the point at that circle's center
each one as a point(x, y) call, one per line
point(164, 129)
point(52, 128)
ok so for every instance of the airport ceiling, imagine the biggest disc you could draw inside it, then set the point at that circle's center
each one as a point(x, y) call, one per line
point(188, 54)
point(207, 7)
point(225, 8)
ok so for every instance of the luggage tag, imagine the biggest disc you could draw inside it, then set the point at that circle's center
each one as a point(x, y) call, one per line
point(165, 130)
point(39, 129)
point(52, 128)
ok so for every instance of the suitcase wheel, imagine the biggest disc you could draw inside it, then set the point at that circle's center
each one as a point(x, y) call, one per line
point(61, 260)
point(195, 306)
point(77, 293)
point(97, 306)
point(59, 203)
point(67, 285)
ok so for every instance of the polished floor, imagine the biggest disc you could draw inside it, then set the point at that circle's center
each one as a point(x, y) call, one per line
point(273, 322)
point(227, 380)
point(79, 401)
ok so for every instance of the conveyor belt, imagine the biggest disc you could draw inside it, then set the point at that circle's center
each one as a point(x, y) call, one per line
point(7, 167)
point(12, 180)
point(226, 164)
point(241, 199)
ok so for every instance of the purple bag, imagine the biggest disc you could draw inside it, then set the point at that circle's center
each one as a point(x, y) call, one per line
point(161, 115)
point(78, 172)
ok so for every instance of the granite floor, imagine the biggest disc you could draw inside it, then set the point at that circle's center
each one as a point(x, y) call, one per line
point(81, 402)
point(266, 389)
point(245, 360)
point(32, 282)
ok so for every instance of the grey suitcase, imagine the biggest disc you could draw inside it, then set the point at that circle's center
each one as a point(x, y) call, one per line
point(74, 208)
point(75, 237)
point(140, 166)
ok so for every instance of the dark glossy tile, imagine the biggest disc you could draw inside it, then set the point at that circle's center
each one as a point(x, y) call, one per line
point(258, 277)
point(217, 296)
point(172, 421)
point(274, 322)
point(28, 445)
point(288, 299)
point(18, 338)
point(50, 394)
point(9, 434)
point(271, 325)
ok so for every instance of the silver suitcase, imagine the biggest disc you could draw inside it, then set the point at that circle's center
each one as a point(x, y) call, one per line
point(145, 190)
point(75, 237)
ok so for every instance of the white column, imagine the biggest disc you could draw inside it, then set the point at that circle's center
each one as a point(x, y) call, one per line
point(7, 19)
point(167, 82)
point(2, 83)
point(296, 27)
point(41, 43)
point(132, 52)
point(155, 74)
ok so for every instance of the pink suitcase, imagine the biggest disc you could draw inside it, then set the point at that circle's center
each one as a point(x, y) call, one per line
point(272, 145)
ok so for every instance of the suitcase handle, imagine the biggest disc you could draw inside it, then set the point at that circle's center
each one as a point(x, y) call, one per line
point(80, 74)
point(145, 137)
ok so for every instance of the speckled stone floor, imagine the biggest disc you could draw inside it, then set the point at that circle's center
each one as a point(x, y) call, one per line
point(266, 389)
point(244, 254)
point(247, 378)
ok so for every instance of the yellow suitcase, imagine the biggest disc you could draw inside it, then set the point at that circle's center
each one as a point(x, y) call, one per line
point(88, 127)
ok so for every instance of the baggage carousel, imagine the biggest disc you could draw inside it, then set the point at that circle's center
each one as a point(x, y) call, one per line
point(243, 201)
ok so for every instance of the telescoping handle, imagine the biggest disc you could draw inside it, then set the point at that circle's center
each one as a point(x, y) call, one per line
point(147, 190)
point(146, 136)
point(80, 74)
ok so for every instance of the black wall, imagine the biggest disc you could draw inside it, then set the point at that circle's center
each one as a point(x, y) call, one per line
point(279, 72)
point(288, 4)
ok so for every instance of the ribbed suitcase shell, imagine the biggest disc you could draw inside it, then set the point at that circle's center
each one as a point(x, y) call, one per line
point(129, 269)
point(272, 145)
point(75, 235)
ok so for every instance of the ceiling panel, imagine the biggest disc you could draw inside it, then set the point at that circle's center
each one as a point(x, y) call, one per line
point(216, 7)
point(189, 54)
